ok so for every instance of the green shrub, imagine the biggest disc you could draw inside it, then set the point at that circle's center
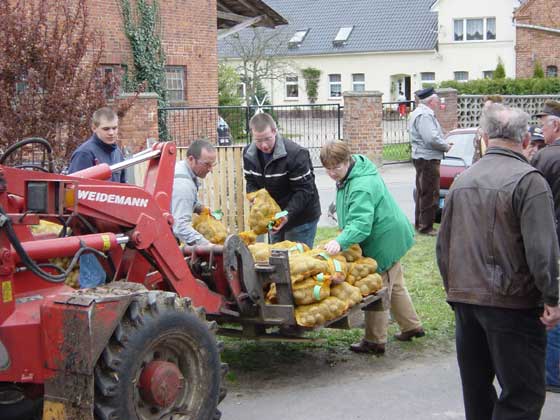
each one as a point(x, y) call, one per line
point(533, 86)
point(500, 71)
point(538, 72)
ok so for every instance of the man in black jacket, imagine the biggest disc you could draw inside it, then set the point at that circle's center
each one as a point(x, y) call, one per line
point(548, 162)
point(284, 169)
point(498, 257)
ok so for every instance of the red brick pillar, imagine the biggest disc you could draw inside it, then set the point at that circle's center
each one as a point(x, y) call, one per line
point(447, 117)
point(139, 123)
point(363, 130)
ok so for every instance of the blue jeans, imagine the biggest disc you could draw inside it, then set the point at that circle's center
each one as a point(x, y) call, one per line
point(303, 233)
point(553, 357)
point(92, 273)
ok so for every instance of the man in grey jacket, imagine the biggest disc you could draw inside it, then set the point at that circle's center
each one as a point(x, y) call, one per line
point(498, 253)
point(201, 158)
point(428, 145)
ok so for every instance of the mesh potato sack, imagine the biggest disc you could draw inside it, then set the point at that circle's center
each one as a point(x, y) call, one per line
point(292, 247)
point(73, 279)
point(303, 266)
point(210, 226)
point(248, 236)
point(45, 227)
point(352, 253)
point(263, 211)
point(337, 265)
point(312, 289)
point(318, 313)
point(363, 267)
point(346, 292)
point(369, 284)
point(260, 252)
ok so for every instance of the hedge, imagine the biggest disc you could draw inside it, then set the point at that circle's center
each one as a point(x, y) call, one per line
point(533, 86)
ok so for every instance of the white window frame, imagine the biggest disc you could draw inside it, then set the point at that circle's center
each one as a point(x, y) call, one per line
point(424, 78)
point(484, 29)
point(488, 74)
point(175, 84)
point(342, 35)
point(331, 84)
point(359, 83)
point(455, 73)
point(297, 38)
point(243, 87)
point(291, 83)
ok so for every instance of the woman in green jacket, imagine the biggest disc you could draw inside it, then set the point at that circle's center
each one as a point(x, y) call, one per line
point(369, 216)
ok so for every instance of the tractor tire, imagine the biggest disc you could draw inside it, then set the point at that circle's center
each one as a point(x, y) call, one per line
point(159, 329)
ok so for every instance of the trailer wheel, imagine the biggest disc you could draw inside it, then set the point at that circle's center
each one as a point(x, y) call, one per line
point(162, 362)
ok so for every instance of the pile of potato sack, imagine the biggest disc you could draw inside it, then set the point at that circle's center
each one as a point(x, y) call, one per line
point(324, 287)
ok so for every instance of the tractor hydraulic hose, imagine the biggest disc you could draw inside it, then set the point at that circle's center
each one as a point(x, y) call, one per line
point(6, 223)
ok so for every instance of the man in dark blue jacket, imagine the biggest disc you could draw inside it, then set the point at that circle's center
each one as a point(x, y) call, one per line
point(101, 147)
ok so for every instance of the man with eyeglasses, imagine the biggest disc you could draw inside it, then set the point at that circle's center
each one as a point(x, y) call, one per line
point(547, 161)
point(201, 158)
point(284, 169)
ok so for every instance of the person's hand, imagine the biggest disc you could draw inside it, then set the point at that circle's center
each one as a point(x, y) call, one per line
point(550, 316)
point(280, 223)
point(332, 247)
point(449, 146)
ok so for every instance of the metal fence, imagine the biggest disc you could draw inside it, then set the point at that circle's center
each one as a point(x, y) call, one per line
point(469, 107)
point(396, 141)
point(308, 125)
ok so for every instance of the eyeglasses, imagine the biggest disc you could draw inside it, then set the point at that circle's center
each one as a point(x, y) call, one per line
point(335, 168)
point(207, 164)
point(265, 140)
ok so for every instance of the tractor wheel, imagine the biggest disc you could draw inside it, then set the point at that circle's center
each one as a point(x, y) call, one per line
point(162, 362)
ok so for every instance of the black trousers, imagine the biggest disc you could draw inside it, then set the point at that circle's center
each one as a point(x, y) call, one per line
point(504, 343)
point(427, 193)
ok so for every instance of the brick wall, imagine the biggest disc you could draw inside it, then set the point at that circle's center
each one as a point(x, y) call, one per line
point(447, 116)
point(536, 45)
point(189, 35)
point(139, 123)
point(363, 129)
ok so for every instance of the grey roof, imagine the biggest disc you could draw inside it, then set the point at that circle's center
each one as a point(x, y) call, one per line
point(379, 25)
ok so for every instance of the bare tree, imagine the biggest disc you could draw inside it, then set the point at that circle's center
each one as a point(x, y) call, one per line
point(262, 56)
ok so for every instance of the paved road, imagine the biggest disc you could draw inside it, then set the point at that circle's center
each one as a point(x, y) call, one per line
point(428, 389)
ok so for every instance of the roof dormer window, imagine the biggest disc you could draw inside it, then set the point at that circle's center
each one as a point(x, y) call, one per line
point(342, 36)
point(296, 40)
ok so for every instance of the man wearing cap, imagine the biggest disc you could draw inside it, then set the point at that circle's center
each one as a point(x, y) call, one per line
point(536, 143)
point(428, 146)
point(547, 161)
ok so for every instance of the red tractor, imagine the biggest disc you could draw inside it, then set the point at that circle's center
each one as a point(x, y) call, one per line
point(142, 346)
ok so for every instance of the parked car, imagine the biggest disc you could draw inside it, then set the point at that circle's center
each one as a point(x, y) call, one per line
point(455, 161)
point(224, 133)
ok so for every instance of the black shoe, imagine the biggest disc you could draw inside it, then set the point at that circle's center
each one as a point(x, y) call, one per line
point(365, 346)
point(409, 335)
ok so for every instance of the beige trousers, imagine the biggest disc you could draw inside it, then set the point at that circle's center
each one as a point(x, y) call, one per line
point(402, 308)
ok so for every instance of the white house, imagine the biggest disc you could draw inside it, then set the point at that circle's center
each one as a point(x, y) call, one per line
point(388, 45)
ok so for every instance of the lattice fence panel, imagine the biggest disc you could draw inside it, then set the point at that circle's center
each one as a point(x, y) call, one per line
point(469, 107)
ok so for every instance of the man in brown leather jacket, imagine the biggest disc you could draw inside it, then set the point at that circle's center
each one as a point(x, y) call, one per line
point(498, 256)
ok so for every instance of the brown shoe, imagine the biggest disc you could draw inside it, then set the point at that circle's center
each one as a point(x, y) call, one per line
point(409, 335)
point(365, 346)
point(430, 232)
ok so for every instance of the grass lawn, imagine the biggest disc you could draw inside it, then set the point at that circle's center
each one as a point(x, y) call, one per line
point(425, 287)
point(396, 152)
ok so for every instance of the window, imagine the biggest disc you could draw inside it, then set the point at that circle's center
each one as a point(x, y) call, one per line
point(292, 88)
point(335, 86)
point(296, 40)
point(358, 82)
point(479, 29)
point(551, 71)
point(175, 83)
point(428, 79)
point(342, 35)
point(488, 74)
point(491, 28)
point(461, 76)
